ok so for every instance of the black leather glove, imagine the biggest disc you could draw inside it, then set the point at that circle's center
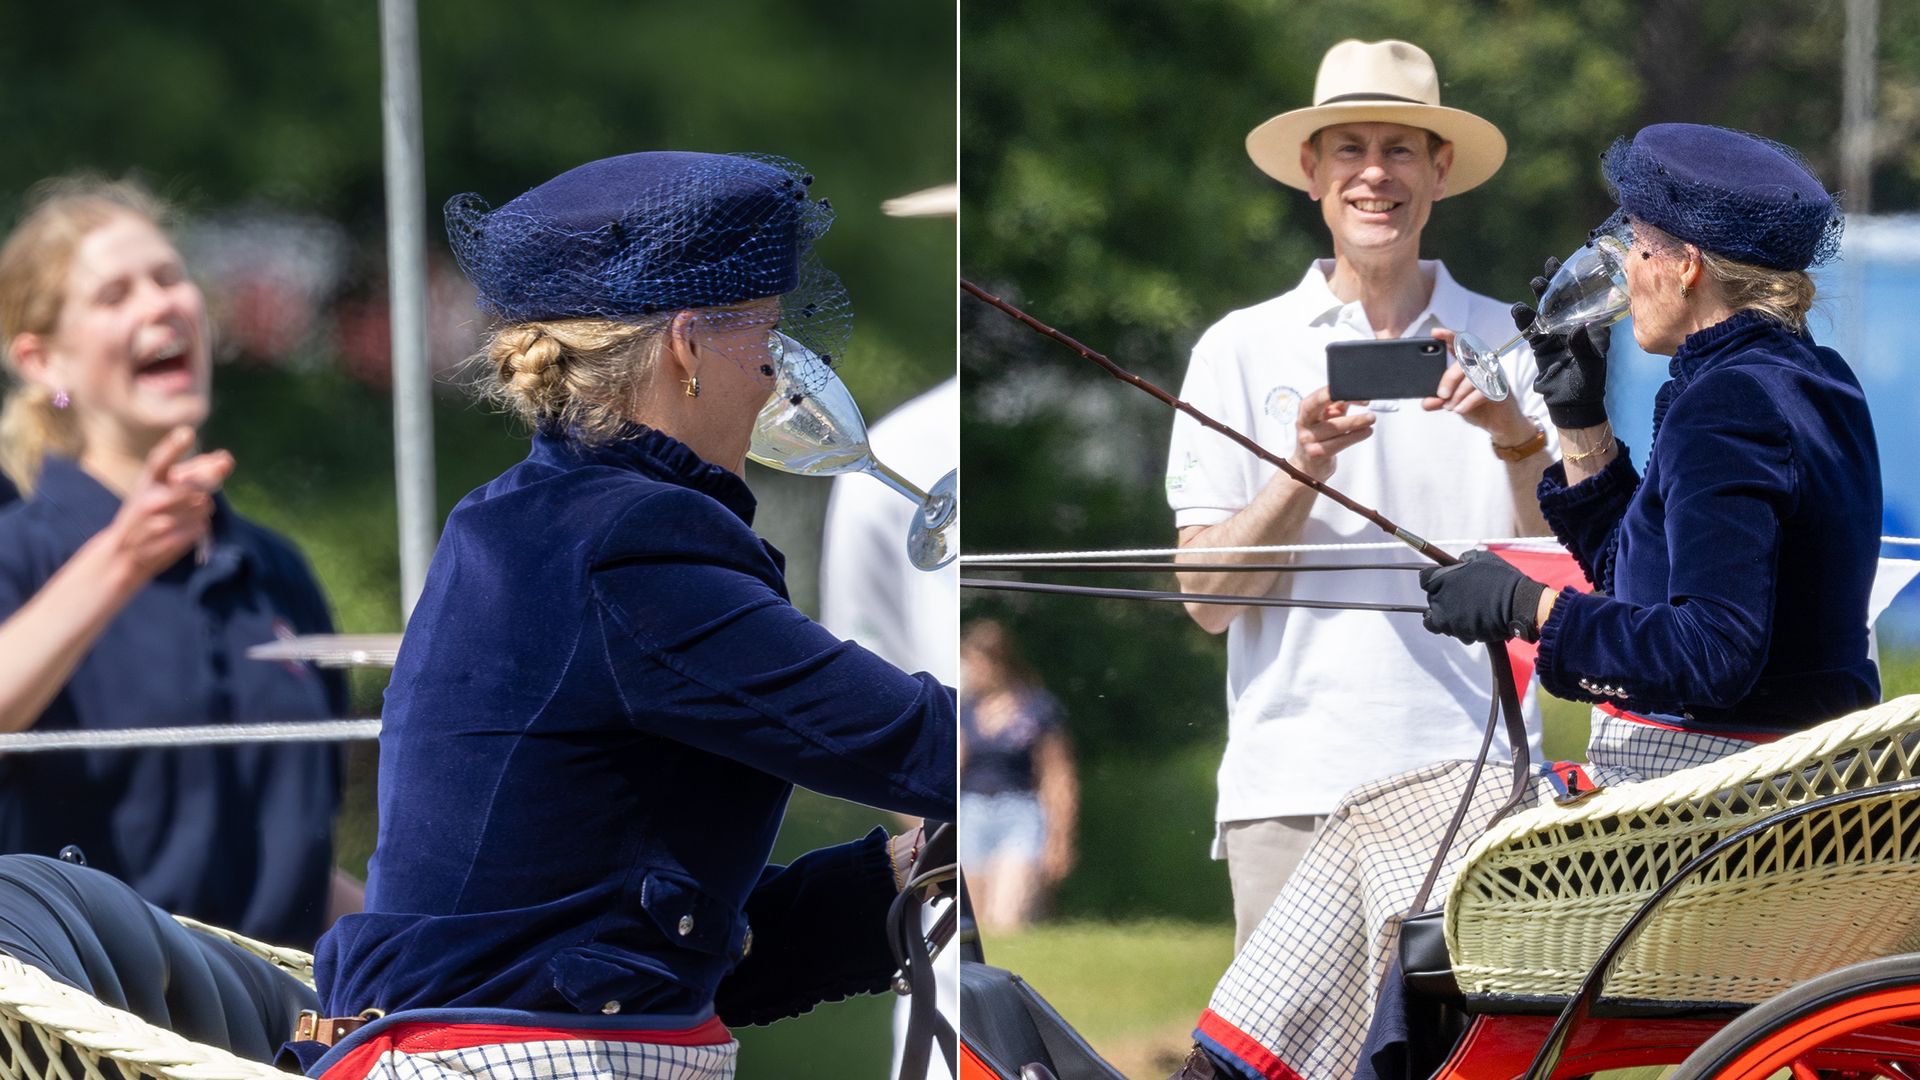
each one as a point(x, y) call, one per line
point(1573, 367)
point(1482, 598)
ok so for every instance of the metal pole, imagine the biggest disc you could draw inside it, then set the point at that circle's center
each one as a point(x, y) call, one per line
point(1859, 69)
point(407, 291)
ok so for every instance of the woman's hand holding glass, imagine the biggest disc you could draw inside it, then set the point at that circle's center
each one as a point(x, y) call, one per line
point(1573, 365)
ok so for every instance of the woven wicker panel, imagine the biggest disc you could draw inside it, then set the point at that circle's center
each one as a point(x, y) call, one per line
point(53, 1032)
point(1542, 893)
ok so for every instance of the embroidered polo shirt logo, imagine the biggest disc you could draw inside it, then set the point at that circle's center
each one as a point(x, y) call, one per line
point(1177, 478)
point(1283, 404)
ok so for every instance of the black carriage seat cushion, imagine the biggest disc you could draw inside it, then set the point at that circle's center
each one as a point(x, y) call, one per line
point(91, 931)
point(1010, 1025)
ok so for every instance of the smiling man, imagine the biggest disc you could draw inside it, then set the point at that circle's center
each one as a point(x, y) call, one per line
point(1321, 700)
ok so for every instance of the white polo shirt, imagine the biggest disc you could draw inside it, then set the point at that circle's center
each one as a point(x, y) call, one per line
point(1320, 701)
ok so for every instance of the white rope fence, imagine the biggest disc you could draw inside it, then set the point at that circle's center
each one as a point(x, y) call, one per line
point(28, 742)
point(1541, 542)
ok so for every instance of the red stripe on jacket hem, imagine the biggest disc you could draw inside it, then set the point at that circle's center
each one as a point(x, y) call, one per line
point(1241, 1045)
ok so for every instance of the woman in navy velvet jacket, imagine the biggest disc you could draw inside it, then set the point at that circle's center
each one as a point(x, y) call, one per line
point(605, 695)
point(1731, 578)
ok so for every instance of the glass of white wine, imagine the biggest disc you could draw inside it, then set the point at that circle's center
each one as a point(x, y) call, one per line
point(1590, 287)
point(811, 426)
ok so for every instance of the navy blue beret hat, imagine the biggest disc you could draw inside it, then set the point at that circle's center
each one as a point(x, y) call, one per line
point(1737, 195)
point(641, 233)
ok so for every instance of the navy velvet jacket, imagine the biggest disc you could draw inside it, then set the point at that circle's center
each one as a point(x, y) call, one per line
point(594, 725)
point(1732, 580)
point(239, 836)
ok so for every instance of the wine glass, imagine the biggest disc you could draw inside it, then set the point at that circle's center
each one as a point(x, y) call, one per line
point(811, 426)
point(1590, 287)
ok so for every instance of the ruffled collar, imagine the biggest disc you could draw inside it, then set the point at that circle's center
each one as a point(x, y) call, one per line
point(1702, 347)
point(654, 454)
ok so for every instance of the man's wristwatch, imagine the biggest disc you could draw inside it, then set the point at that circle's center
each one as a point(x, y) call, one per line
point(1524, 450)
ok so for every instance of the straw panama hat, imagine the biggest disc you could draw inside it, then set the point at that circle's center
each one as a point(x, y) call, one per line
point(1390, 82)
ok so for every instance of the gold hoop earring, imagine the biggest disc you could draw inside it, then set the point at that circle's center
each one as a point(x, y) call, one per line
point(692, 383)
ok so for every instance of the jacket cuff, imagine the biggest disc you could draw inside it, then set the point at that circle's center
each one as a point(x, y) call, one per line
point(1547, 661)
point(819, 935)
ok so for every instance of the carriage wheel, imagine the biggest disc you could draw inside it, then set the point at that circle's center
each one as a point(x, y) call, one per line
point(1859, 1021)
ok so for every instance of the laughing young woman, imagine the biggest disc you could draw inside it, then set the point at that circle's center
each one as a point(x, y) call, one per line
point(132, 590)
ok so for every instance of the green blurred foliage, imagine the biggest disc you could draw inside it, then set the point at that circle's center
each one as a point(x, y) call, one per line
point(1107, 190)
point(278, 102)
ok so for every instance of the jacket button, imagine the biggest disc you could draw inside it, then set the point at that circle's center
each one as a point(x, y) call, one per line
point(610, 1008)
point(686, 925)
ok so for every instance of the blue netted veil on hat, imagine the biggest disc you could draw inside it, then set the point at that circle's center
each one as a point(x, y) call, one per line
point(640, 234)
point(1749, 199)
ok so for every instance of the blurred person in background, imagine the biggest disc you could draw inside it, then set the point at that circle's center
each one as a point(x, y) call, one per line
point(133, 589)
point(1019, 797)
point(605, 696)
point(1322, 700)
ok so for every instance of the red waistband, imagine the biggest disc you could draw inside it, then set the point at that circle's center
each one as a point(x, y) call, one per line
point(1744, 736)
point(429, 1036)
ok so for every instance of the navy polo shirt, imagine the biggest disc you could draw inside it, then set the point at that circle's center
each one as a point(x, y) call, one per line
point(239, 836)
point(601, 707)
point(1733, 578)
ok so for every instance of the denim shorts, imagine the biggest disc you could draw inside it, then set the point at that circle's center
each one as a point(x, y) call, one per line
point(1010, 825)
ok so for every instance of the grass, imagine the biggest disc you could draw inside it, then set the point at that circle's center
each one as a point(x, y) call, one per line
point(1133, 989)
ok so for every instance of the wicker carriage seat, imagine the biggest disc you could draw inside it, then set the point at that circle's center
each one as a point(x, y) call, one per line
point(90, 973)
point(1542, 893)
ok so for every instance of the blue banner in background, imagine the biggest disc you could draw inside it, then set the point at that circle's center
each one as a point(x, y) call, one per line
point(1868, 308)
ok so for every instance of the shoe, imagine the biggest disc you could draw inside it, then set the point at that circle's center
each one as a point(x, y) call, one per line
point(1198, 1066)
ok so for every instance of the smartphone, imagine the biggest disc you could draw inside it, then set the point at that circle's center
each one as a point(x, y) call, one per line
point(1385, 369)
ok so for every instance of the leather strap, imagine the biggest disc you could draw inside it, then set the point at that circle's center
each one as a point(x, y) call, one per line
point(328, 1031)
point(1521, 451)
point(1506, 704)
